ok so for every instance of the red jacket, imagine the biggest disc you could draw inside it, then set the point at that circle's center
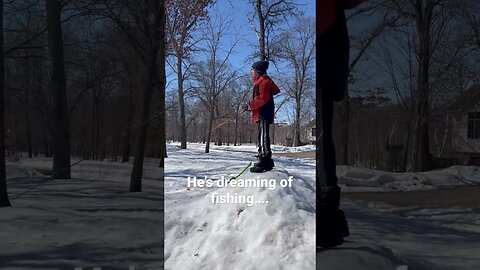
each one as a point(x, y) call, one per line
point(263, 90)
point(326, 13)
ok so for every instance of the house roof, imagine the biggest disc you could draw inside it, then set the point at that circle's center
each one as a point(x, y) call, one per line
point(469, 99)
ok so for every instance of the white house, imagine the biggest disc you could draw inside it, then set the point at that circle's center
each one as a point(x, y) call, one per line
point(466, 127)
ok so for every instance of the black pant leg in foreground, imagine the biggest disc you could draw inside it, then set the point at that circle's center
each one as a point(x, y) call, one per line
point(332, 79)
point(328, 188)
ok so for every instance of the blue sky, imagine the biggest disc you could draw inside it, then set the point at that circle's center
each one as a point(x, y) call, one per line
point(238, 11)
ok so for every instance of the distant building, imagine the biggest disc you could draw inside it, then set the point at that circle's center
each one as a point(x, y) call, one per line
point(311, 130)
point(466, 127)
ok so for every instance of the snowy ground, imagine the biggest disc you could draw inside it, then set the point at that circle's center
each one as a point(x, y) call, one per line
point(353, 179)
point(93, 221)
point(359, 179)
point(384, 240)
point(249, 147)
point(202, 235)
point(83, 222)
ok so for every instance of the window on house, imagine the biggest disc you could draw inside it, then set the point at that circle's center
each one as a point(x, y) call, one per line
point(314, 132)
point(473, 130)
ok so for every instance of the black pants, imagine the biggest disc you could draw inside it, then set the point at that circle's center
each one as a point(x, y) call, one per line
point(328, 195)
point(332, 79)
point(263, 138)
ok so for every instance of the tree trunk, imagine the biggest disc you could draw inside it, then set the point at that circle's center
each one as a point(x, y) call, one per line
point(296, 133)
point(28, 131)
point(236, 131)
point(137, 170)
point(205, 131)
point(94, 143)
point(162, 85)
point(47, 148)
point(273, 130)
point(407, 144)
point(209, 130)
point(181, 104)
point(218, 129)
point(61, 135)
point(155, 36)
point(99, 144)
point(345, 128)
point(28, 127)
point(261, 34)
point(4, 201)
point(228, 134)
point(422, 159)
point(128, 127)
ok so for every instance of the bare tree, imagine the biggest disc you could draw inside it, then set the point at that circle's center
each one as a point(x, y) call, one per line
point(142, 24)
point(213, 77)
point(299, 52)
point(429, 23)
point(270, 15)
point(162, 84)
point(238, 97)
point(182, 18)
point(132, 85)
point(4, 202)
point(361, 45)
point(152, 13)
point(98, 86)
point(61, 133)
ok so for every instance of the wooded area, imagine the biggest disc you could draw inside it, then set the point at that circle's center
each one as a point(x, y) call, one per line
point(420, 57)
point(108, 80)
point(84, 79)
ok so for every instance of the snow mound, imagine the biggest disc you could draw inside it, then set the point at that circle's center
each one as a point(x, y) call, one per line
point(360, 179)
point(279, 234)
point(293, 149)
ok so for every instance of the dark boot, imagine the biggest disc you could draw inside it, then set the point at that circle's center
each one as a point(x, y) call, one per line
point(271, 164)
point(265, 164)
point(332, 228)
point(258, 156)
point(268, 160)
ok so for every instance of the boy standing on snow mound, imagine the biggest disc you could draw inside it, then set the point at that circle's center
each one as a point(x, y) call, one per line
point(263, 110)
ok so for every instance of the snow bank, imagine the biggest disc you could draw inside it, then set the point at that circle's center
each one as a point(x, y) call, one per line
point(85, 169)
point(248, 147)
point(15, 171)
point(359, 179)
point(279, 234)
point(466, 219)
